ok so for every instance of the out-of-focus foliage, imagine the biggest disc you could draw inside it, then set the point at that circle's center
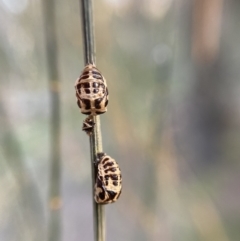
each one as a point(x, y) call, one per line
point(173, 121)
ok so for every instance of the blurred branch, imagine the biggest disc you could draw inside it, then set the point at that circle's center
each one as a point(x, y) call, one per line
point(28, 197)
point(207, 16)
point(207, 219)
point(55, 164)
point(95, 138)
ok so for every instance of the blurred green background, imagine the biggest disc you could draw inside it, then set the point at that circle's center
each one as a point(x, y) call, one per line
point(173, 121)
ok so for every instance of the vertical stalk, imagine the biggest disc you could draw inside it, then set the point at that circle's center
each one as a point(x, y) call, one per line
point(54, 227)
point(95, 138)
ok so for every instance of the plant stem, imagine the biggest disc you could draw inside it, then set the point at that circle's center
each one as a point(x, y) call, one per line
point(95, 138)
point(54, 229)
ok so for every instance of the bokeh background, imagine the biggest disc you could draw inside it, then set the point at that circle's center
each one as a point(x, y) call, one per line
point(173, 121)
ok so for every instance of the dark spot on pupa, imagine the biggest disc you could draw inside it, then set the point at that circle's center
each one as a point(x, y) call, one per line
point(85, 76)
point(86, 85)
point(95, 85)
point(87, 103)
point(97, 103)
point(105, 159)
point(108, 165)
point(87, 91)
point(112, 194)
point(114, 177)
point(102, 195)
